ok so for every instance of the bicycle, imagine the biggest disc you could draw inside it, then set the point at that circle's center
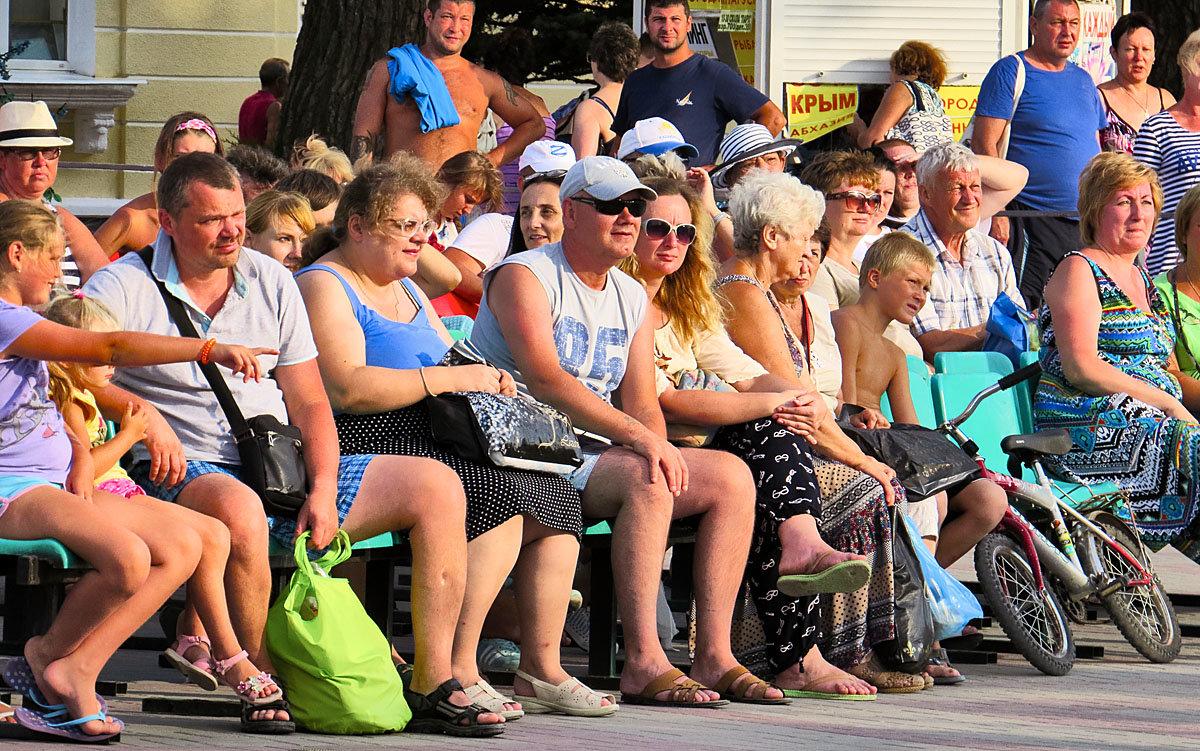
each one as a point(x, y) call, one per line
point(1024, 565)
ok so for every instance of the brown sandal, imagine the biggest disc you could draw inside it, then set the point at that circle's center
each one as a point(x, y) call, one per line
point(682, 694)
point(887, 681)
point(746, 688)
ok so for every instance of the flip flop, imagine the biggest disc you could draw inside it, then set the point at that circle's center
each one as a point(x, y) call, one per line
point(682, 695)
point(799, 693)
point(847, 576)
point(939, 658)
point(42, 725)
point(19, 677)
point(725, 685)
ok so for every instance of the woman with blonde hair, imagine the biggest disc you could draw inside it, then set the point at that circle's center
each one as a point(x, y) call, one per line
point(1108, 350)
point(911, 109)
point(277, 224)
point(316, 154)
point(135, 225)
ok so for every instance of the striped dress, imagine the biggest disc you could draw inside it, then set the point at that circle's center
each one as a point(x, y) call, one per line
point(1174, 153)
point(1154, 458)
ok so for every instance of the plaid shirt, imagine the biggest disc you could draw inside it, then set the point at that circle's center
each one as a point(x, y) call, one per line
point(961, 293)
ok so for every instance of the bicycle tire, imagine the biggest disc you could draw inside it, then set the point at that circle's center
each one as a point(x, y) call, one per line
point(1035, 623)
point(1144, 615)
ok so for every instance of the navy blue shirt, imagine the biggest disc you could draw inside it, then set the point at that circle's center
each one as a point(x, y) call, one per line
point(1053, 131)
point(699, 96)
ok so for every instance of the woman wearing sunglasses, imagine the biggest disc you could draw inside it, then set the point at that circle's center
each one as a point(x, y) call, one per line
point(850, 183)
point(380, 346)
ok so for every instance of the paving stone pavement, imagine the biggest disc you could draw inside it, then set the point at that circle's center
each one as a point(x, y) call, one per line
point(1118, 702)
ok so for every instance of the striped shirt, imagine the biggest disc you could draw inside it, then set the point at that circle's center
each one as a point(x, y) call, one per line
point(961, 293)
point(1174, 153)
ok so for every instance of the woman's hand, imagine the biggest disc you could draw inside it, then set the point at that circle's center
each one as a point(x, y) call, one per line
point(508, 384)
point(479, 378)
point(870, 419)
point(1179, 412)
point(240, 359)
point(803, 413)
point(699, 181)
point(135, 422)
point(881, 472)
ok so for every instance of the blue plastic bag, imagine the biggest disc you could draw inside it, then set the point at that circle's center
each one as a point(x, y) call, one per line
point(952, 603)
point(1011, 329)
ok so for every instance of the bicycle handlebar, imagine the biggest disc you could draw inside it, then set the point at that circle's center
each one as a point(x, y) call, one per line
point(1026, 373)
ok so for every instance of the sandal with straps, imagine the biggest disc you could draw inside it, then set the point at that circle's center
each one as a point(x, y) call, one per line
point(435, 713)
point(258, 693)
point(570, 697)
point(745, 692)
point(198, 671)
point(682, 694)
point(492, 700)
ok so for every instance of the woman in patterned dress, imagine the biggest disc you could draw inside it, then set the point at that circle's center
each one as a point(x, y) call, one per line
point(772, 226)
point(746, 414)
point(1105, 359)
point(911, 109)
point(379, 352)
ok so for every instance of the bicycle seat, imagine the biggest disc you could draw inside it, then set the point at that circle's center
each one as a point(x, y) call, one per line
point(1029, 447)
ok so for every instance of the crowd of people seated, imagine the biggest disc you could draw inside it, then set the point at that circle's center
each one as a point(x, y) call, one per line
point(712, 312)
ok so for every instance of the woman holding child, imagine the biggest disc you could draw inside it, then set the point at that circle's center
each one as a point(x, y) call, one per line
point(1106, 360)
point(379, 352)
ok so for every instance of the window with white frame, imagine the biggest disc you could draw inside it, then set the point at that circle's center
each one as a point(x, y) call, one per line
point(60, 34)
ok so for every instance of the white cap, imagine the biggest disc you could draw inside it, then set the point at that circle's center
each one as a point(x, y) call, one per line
point(655, 135)
point(602, 177)
point(545, 156)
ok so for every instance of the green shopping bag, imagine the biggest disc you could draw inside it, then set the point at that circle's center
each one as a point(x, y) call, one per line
point(333, 659)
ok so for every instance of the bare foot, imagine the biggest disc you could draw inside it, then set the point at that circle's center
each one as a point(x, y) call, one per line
point(820, 675)
point(941, 671)
point(635, 680)
point(39, 660)
point(422, 684)
point(76, 689)
point(244, 670)
point(6, 711)
point(812, 559)
point(525, 688)
point(710, 677)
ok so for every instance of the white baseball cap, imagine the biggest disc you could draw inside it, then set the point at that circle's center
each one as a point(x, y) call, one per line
point(654, 135)
point(541, 157)
point(603, 177)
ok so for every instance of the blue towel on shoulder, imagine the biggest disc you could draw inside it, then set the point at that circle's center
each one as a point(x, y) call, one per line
point(414, 74)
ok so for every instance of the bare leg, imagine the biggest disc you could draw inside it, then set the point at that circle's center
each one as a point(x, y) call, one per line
point(804, 552)
point(821, 676)
point(173, 555)
point(426, 498)
point(490, 558)
point(978, 508)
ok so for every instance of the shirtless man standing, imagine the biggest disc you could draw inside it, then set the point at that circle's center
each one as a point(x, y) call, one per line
point(473, 89)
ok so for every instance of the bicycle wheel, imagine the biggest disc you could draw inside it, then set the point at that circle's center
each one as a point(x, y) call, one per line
point(1033, 621)
point(1143, 614)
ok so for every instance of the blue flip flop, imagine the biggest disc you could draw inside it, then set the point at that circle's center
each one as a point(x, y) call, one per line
point(19, 677)
point(69, 729)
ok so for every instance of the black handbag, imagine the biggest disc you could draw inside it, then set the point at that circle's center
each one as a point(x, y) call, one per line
point(272, 454)
point(925, 461)
point(909, 651)
point(511, 432)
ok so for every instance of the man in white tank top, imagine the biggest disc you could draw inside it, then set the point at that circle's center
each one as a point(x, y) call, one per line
point(569, 326)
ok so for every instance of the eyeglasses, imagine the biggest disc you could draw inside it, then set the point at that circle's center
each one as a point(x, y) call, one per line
point(412, 227)
point(29, 154)
point(614, 206)
point(856, 201)
point(658, 229)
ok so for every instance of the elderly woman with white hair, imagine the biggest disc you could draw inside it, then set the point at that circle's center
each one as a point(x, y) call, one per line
point(774, 216)
point(1168, 143)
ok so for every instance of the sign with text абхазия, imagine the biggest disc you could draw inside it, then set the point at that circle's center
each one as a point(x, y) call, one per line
point(815, 109)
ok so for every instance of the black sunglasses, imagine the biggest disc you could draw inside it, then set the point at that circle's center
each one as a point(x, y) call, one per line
point(658, 229)
point(614, 206)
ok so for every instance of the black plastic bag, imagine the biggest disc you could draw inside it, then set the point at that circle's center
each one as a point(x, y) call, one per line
point(925, 461)
point(909, 651)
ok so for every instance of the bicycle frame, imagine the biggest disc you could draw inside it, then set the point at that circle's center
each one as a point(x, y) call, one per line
point(1061, 560)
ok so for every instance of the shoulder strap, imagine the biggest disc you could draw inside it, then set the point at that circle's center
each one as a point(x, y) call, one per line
point(237, 422)
point(1019, 85)
point(916, 95)
point(608, 109)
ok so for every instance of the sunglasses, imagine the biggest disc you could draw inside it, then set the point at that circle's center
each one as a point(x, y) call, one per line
point(614, 206)
point(856, 201)
point(30, 154)
point(658, 229)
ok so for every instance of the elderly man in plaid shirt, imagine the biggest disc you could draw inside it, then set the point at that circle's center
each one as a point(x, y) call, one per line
point(972, 268)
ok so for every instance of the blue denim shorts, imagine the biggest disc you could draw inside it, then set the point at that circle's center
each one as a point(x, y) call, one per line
point(350, 474)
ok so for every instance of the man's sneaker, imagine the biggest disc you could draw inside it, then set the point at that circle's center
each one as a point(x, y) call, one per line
point(579, 627)
point(497, 656)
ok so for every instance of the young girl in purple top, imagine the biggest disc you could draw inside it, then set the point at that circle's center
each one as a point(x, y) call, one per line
point(138, 556)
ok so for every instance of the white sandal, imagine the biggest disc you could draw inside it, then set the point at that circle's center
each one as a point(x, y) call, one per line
point(569, 697)
point(492, 700)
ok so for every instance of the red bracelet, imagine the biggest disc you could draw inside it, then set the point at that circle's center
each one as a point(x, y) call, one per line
point(206, 350)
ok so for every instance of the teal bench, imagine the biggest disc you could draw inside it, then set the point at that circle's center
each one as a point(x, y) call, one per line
point(36, 573)
point(918, 388)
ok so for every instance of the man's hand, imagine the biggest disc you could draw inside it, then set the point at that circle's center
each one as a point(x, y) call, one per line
point(1000, 229)
point(665, 461)
point(318, 516)
point(168, 464)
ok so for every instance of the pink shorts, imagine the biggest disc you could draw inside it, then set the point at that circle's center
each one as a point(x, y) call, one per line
point(121, 486)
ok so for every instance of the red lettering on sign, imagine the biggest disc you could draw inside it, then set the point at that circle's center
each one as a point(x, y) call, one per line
point(809, 101)
point(846, 101)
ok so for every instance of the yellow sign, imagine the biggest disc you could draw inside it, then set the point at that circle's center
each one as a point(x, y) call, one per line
point(959, 103)
point(743, 41)
point(814, 109)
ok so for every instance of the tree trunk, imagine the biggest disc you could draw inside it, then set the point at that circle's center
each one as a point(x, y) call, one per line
point(339, 40)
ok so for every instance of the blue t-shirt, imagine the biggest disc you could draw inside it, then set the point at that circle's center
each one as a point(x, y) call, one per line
point(699, 96)
point(1050, 132)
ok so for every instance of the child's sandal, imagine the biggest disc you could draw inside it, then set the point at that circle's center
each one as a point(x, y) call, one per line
point(250, 690)
point(198, 671)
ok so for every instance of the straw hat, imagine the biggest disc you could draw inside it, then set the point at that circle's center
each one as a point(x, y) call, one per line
point(29, 124)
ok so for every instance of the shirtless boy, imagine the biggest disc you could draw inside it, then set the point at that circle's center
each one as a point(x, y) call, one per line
point(894, 281)
point(473, 89)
